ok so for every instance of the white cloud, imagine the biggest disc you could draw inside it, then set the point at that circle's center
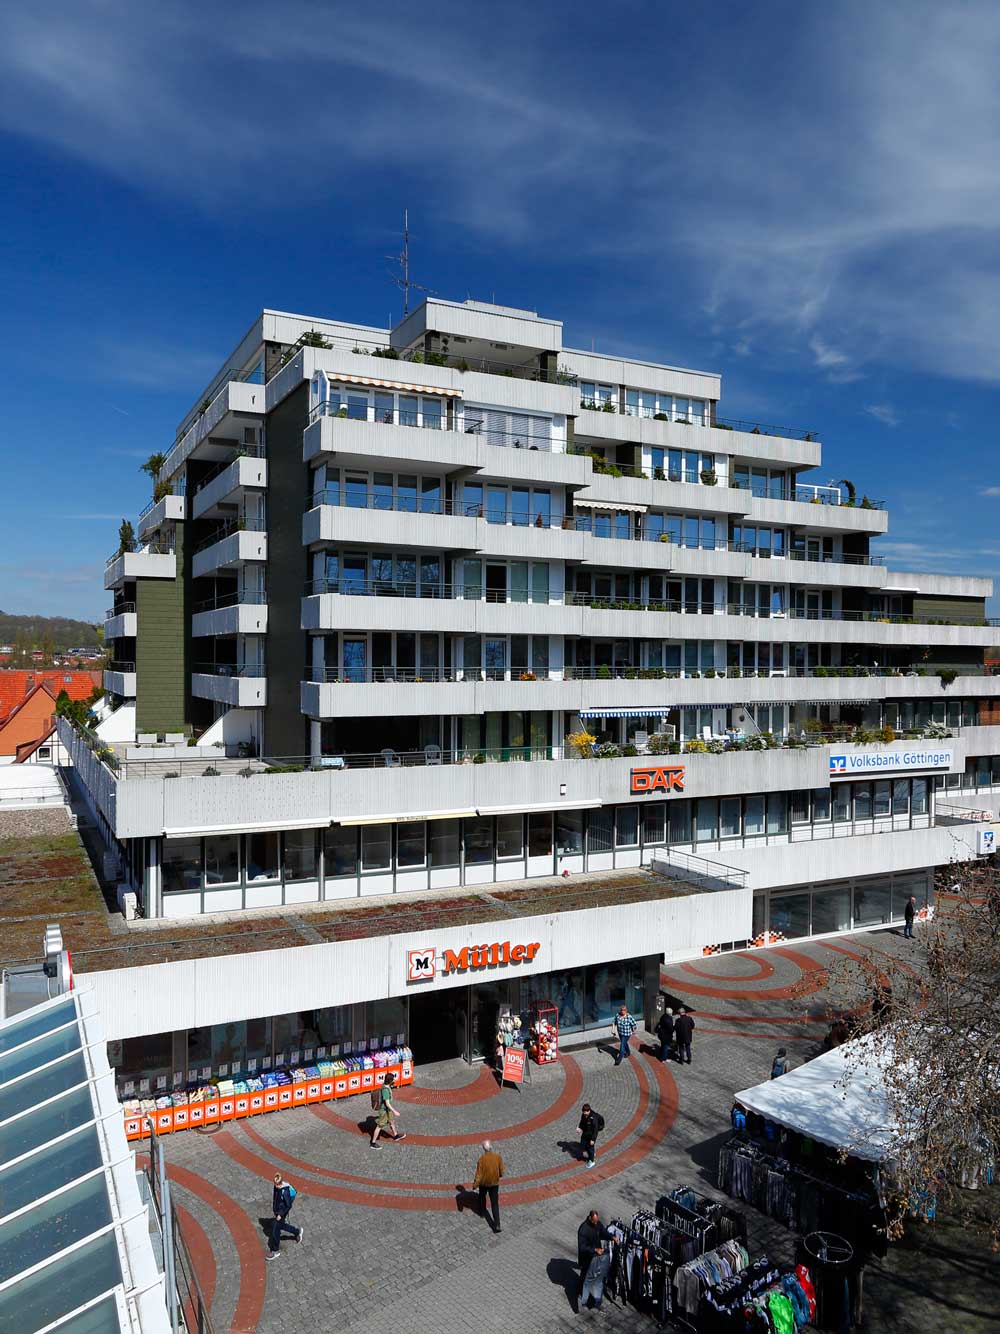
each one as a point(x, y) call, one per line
point(844, 199)
point(884, 413)
point(990, 491)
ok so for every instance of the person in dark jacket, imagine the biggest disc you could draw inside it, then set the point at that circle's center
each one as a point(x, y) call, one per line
point(683, 1029)
point(589, 1235)
point(282, 1199)
point(597, 1273)
point(909, 912)
point(591, 1125)
point(665, 1033)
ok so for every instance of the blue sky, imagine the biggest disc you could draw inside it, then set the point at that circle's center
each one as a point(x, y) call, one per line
point(805, 198)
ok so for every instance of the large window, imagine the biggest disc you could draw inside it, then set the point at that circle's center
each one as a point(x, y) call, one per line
point(478, 835)
point(262, 857)
point(540, 835)
point(510, 836)
point(300, 855)
point(444, 843)
point(340, 848)
point(627, 827)
point(376, 847)
point(181, 865)
point(222, 860)
point(411, 845)
point(569, 833)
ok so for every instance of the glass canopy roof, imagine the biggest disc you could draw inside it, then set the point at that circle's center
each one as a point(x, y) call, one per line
point(75, 1254)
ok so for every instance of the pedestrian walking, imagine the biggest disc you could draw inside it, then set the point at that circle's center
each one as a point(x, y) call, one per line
point(624, 1026)
point(909, 912)
point(282, 1199)
point(386, 1114)
point(591, 1125)
point(589, 1235)
point(665, 1033)
point(683, 1029)
point(597, 1273)
point(882, 1003)
point(489, 1170)
point(780, 1065)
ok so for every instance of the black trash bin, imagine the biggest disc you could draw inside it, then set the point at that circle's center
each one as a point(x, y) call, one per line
point(836, 1274)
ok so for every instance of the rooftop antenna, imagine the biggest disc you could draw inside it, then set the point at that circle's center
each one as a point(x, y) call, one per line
point(402, 278)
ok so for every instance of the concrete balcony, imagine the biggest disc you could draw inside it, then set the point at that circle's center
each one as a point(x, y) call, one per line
point(236, 405)
point(155, 516)
point(243, 474)
point(242, 618)
point(365, 444)
point(396, 528)
point(120, 681)
point(371, 699)
point(818, 517)
point(450, 615)
point(239, 690)
point(148, 564)
point(228, 553)
point(124, 625)
point(623, 429)
point(693, 497)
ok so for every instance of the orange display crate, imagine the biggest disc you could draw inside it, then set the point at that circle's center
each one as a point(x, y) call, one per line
point(234, 1107)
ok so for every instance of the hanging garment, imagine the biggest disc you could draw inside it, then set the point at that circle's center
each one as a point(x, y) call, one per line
point(793, 1290)
point(781, 1312)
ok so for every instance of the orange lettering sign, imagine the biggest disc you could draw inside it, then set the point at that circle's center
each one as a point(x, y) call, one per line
point(493, 955)
point(660, 778)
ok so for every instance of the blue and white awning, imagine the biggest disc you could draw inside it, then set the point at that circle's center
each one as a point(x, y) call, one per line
point(653, 711)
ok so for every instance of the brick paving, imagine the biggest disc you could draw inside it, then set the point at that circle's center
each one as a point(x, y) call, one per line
point(391, 1240)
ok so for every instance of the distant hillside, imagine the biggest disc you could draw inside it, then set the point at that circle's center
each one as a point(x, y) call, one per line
point(59, 631)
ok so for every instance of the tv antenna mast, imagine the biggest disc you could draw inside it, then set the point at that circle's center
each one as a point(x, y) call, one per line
point(402, 261)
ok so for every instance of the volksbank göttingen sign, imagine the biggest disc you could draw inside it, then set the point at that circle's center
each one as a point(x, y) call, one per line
point(888, 761)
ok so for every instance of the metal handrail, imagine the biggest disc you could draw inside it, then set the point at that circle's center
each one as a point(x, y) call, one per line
point(621, 672)
point(701, 868)
point(240, 452)
point(223, 600)
point(126, 667)
point(229, 669)
point(162, 547)
point(762, 428)
point(123, 610)
point(227, 530)
point(461, 362)
point(403, 417)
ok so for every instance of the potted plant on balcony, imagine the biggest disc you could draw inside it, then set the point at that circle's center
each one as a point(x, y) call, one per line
point(851, 493)
point(695, 747)
point(607, 750)
point(608, 406)
point(582, 743)
point(660, 417)
point(709, 477)
point(527, 676)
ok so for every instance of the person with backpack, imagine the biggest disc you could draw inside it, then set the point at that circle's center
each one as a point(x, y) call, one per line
point(386, 1115)
point(591, 1125)
point(780, 1065)
point(683, 1029)
point(282, 1199)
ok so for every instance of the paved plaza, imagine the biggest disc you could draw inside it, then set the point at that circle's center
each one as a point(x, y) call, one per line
point(392, 1240)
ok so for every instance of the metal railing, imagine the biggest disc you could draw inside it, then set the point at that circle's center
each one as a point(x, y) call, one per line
point(956, 814)
point(238, 599)
point(407, 417)
point(175, 490)
point(229, 669)
point(619, 672)
point(407, 503)
point(763, 428)
point(239, 452)
point(423, 675)
point(120, 667)
point(226, 530)
point(393, 588)
point(187, 1308)
point(161, 547)
point(528, 370)
point(696, 870)
point(123, 610)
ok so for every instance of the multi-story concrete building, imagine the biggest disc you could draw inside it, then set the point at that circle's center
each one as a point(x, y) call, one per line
point(402, 575)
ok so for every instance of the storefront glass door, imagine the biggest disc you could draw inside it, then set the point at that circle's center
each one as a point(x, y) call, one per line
point(486, 1001)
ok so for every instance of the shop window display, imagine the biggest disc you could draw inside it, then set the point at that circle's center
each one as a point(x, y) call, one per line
point(222, 860)
point(790, 914)
point(569, 834)
point(872, 902)
point(444, 843)
point(831, 910)
point(609, 986)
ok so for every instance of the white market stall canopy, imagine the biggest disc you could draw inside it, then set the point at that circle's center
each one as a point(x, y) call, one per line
point(837, 1099)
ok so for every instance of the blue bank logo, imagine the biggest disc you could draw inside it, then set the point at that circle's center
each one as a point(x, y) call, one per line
point(838, 764)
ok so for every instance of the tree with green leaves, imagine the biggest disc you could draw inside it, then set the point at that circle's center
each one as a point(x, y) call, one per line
point(153, 465)
point(126, 537)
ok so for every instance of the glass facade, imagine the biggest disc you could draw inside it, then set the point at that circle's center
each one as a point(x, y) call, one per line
point(841, 905)
point(587, 998)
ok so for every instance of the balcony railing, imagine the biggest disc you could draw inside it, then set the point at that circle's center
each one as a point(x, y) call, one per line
point(720, 423)
point(620, 672)
point(241, 451)
point(528, 370)
point(161, 547)
point(227, 530)
point(538, 439)
point(229, 669)
point(222, 600)
point(125, 667)
point(763, 428)
point(122, 609)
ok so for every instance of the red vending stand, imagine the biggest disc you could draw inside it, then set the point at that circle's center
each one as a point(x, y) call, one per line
point(543, 1040)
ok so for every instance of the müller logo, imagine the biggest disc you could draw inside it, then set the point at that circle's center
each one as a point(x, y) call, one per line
point(424, 964)
point(659, 778)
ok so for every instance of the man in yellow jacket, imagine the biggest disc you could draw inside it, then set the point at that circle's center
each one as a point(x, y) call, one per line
point(489, 1170)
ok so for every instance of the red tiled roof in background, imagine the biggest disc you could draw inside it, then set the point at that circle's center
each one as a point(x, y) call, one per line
point(16, 684)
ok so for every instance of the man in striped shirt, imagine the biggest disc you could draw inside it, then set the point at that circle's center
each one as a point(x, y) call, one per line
point(624, 1025)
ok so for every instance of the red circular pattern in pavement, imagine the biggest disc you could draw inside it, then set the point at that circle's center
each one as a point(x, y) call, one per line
point(607, 1166)
point(813, 977)
point(760, 968)
point(483, 1086)
point(572, 1091)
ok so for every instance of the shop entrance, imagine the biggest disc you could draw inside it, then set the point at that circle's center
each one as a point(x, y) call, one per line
point(439, 1023)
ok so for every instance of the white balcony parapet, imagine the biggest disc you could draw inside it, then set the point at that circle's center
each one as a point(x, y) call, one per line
point(244, 473)
point(155, 515)
point(152, 562)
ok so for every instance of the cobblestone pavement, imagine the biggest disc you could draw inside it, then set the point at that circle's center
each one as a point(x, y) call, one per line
point(392, 1240)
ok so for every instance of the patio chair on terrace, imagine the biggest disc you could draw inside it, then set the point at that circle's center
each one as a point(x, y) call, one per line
point(391, 759)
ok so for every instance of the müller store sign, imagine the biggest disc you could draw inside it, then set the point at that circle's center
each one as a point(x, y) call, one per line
point(423, 965)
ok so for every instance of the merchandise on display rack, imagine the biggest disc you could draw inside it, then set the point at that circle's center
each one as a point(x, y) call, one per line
point(510, 1033)
point(543, 1040)
point(804, 1185)
point(219, 1100)
point(661, 1266)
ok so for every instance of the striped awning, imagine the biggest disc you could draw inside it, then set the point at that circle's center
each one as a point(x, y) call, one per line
point(393, 384)
point(652, 711)
point(614, 506)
